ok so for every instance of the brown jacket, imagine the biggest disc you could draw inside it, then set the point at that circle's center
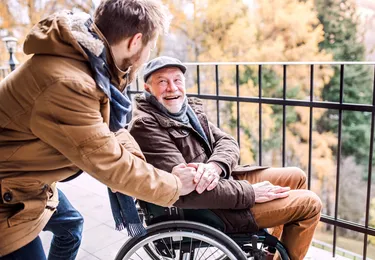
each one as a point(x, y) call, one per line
point(53, 122)
point(166, 143)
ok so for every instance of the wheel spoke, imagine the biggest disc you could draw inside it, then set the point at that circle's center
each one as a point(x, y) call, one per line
point(170, 239)
point(199, 248)
point(203, 253)
point(180, 248)
point(153, 245)
point(139, 256)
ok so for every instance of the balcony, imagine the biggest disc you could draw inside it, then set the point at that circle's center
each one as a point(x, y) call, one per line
point(276, 117)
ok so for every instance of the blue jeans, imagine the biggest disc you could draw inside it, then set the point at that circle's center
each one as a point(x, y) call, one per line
point(66, 225)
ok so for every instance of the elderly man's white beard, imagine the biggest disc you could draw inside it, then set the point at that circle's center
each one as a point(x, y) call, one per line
point(173, 109)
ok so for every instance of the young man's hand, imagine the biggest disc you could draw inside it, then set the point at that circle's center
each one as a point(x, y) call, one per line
point(186, 174)
point(265, 191)
point(207, 176)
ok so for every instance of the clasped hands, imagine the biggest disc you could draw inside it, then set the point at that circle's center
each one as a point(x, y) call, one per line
point(201, 176)
point(197, 176)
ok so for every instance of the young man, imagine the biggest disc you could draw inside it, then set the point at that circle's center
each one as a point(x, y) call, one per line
point(63, 111)
point(172, 129)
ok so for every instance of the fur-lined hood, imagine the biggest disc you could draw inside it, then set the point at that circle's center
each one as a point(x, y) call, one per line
point(63, 33)
point(60, 34)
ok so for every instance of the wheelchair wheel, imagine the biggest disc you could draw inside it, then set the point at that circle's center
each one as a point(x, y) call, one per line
point(184, 240)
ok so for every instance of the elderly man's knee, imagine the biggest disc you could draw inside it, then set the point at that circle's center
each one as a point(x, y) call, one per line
point(299, 172)
point(300, 177)
point(314, 202)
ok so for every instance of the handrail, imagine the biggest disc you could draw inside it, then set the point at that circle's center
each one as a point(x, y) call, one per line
point(285, 63)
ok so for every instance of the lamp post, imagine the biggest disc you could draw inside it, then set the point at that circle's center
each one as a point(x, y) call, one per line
point(11, 44)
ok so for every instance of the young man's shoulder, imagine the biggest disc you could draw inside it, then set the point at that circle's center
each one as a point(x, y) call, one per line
point(48, 70)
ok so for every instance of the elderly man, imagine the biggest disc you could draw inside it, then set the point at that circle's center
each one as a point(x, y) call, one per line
point(172, 129)
point(63, 111)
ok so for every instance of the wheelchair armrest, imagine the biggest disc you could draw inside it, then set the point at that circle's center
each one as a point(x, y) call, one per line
point(155, 214)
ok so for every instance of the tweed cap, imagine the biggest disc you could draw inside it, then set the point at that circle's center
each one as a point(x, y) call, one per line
point(161, 63)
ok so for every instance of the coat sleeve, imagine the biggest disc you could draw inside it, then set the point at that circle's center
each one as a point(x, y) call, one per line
point(128, 141)
point(228, 194)
point(226, 151)
point(156, 144)
point(67, 117)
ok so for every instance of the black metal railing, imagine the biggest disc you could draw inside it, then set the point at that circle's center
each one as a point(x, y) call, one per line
point(310, 103)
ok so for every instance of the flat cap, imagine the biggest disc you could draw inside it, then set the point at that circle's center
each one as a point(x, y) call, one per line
point(161, 63)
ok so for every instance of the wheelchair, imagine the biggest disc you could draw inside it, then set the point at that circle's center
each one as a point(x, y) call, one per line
point(188, 234)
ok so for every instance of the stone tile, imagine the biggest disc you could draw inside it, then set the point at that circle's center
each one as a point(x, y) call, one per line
point(82, 254)
point(110, 251)
point(89, 201)
point(111, 223)
point(100, 212)
point(73, 193)
point(90, 257)
point(86, 182)
point(100, 237)
point(315, 253)
point(46, 238)
point(89, 222)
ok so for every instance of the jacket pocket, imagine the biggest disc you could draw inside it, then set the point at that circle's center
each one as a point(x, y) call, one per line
point(178, 133)
point(28, 195)
point(188, 146)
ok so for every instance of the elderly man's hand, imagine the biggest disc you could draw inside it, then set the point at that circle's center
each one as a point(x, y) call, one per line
point(265, 191)
point(186, 174)
point(207, 176)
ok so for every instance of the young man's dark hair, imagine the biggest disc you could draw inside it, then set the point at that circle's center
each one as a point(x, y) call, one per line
point(141, 16)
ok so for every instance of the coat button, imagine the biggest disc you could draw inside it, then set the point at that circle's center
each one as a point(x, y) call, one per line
point(45, 187)
point(7, 196)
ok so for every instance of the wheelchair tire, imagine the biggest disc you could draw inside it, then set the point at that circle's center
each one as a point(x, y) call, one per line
point(174, 232)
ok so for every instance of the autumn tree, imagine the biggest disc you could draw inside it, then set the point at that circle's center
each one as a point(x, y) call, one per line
point(289, 31)
point(18, 16)
point(343, 39)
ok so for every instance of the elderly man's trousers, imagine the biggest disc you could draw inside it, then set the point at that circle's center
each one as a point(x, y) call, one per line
point(298, 214)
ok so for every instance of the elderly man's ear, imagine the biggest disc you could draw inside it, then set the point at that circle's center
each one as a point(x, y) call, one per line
point(146, 87)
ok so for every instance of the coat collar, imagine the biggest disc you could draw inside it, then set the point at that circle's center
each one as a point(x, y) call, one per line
point(164, 121)
point(119, 77)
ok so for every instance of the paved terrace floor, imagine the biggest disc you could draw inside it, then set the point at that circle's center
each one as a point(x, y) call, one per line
point(100, 239)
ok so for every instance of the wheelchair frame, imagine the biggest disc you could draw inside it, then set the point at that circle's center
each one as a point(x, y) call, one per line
point(190, 240)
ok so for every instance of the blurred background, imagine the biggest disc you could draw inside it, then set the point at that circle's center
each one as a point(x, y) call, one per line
point(270, 31)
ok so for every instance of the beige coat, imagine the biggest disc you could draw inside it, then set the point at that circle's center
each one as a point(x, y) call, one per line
point(53, 122)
